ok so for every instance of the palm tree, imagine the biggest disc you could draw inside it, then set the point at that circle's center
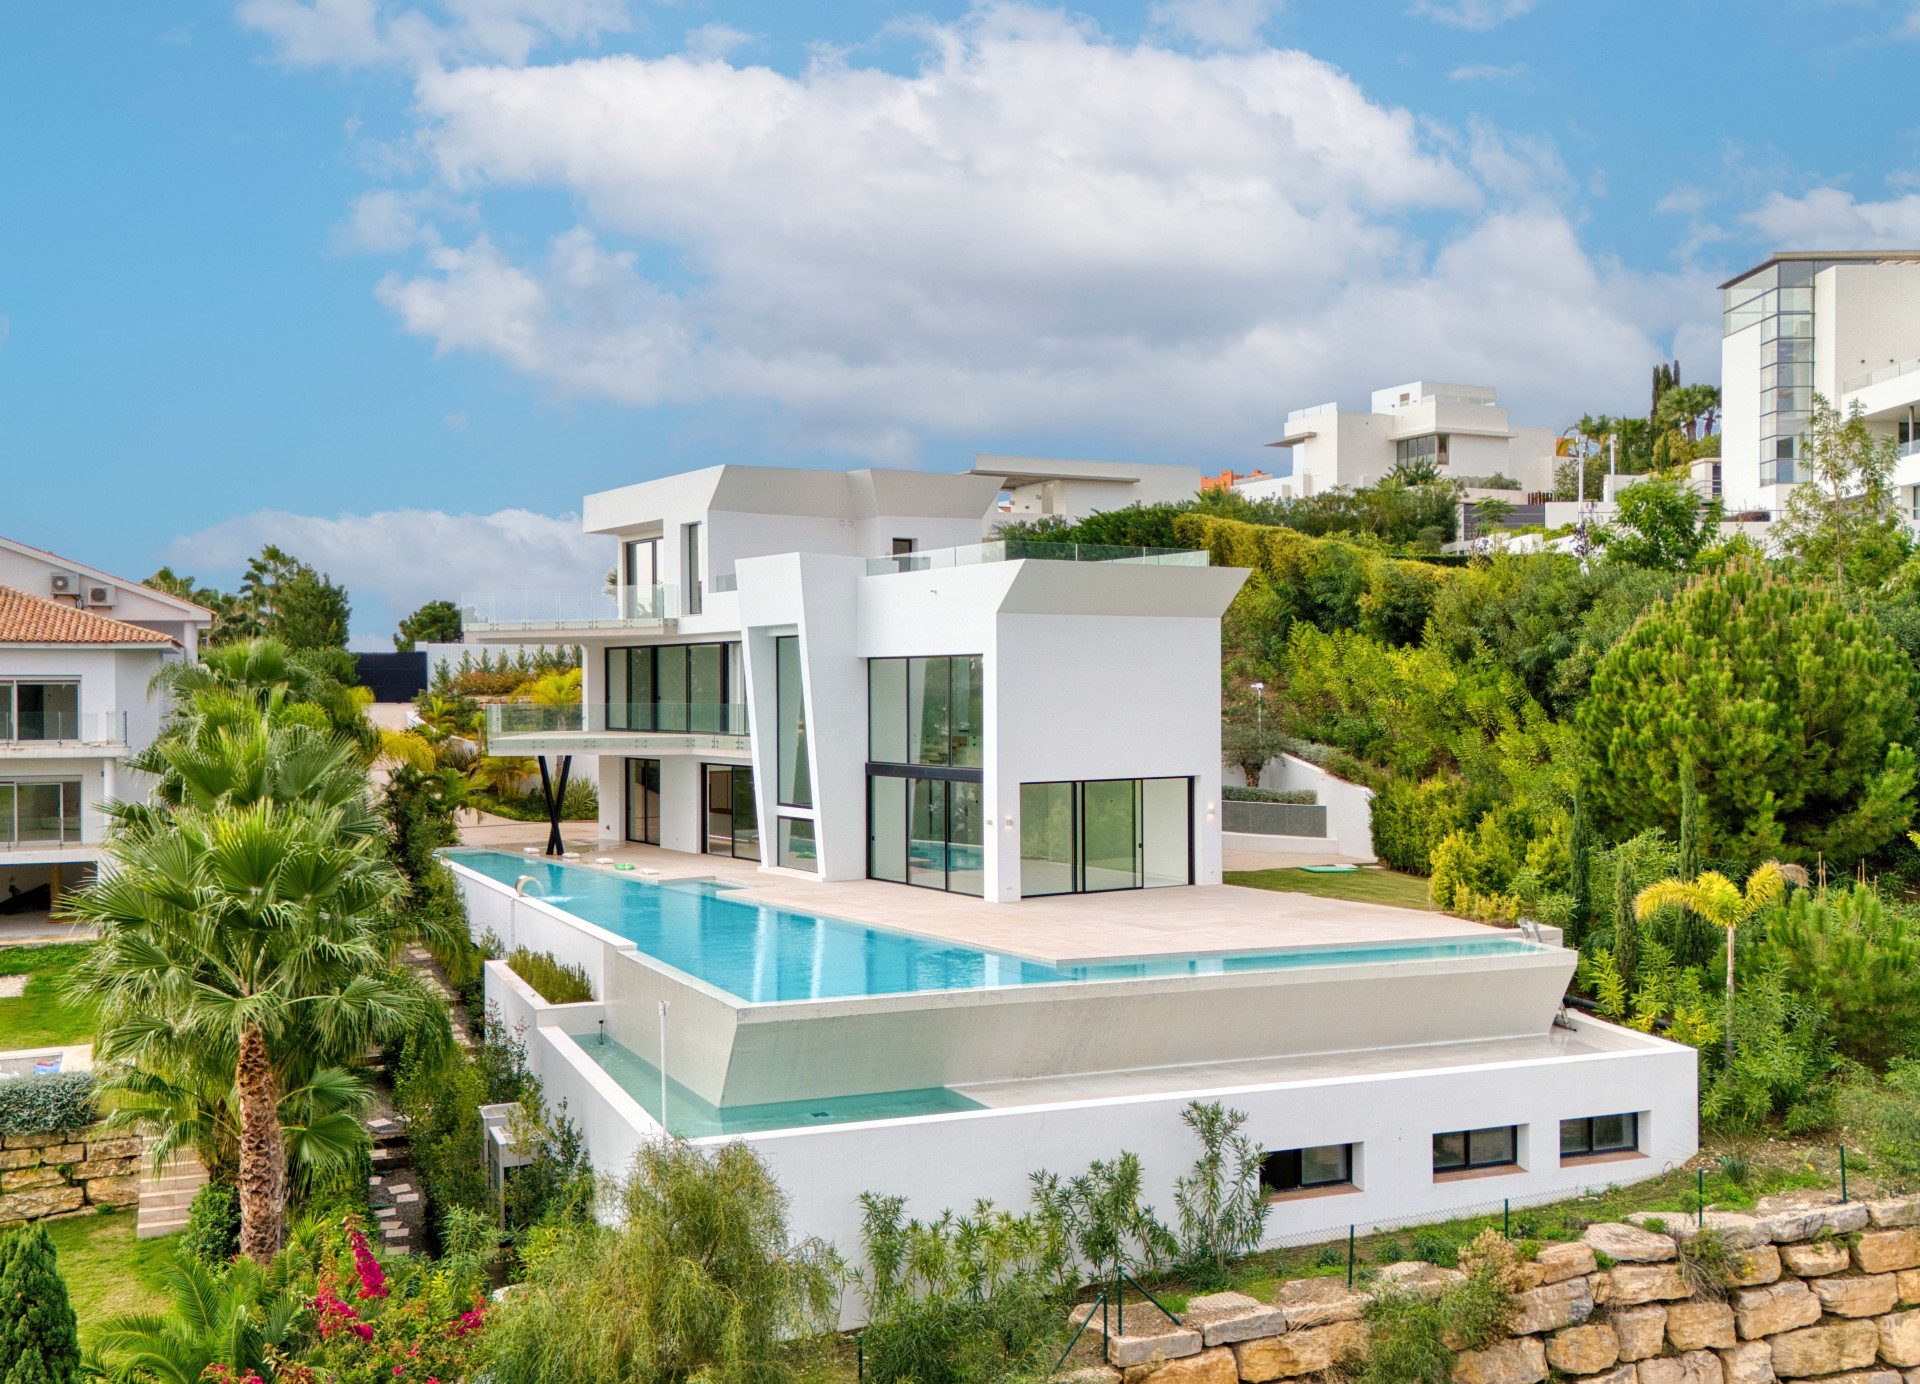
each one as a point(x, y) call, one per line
point(232, 1316)
point(1722, 902)
point(247, 924)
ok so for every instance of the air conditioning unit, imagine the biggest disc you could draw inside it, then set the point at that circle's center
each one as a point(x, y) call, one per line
point(66, 583)
point(101, 595)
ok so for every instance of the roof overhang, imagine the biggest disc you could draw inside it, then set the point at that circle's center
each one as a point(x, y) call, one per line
point(1294, 438)
point(1029, 477)
point(1842, 256)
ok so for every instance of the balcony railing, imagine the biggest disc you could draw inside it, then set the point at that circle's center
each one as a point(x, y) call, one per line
point(725, 581)
point(1301, 415)
point(64, 728)
point(1022, 549)
point(663, 718)
point(573, 608)
point(1880, 376)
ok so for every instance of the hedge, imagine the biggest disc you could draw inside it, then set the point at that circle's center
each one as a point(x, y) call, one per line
point(47, 1104)
point(1269, 795)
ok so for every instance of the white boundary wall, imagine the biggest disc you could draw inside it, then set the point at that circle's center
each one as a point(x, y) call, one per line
point(1349, 805)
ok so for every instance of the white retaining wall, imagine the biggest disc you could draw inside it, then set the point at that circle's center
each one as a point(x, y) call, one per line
point(1349, 807)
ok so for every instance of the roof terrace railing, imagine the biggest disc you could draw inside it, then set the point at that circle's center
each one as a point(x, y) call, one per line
point(1301, 415)
point(1027, 549)
point(669, 718)
point(1880, 376)
point(571, 608)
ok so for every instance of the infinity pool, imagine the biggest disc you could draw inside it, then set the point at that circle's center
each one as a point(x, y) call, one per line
point(762, 954)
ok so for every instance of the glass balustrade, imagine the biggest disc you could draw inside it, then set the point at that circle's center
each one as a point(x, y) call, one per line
point(572, 607)
point(1021, 549)
point(671, 718)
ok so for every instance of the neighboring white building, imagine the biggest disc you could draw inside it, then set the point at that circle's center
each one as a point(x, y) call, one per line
point(1458, 427)
point(829, 672)
point(78, 651)
point(1845, 325)
point(1037, 487)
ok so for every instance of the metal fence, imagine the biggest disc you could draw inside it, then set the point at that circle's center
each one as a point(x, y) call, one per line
point(1275, 819)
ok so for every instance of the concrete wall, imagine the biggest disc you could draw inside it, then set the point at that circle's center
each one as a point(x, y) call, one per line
point(1349, 806)
point(1740, 418)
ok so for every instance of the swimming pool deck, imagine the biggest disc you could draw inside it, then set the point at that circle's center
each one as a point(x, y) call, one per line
point(1063, 930)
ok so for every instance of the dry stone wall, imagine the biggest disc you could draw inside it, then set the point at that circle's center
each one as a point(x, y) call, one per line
point(45, 1175)
point(1820, 1290)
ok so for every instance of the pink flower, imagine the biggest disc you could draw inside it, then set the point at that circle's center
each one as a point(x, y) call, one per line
point(373, 1283)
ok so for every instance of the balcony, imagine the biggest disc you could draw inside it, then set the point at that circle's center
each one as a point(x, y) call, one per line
point(49, 733)
point(571, 609)
point(519, 728)
point(1022, 549)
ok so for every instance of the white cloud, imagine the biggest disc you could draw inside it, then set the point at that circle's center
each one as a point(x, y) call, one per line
point(1473, 14)
point(385, 222)
point(1684, 200)
point(457, 421)
point(1829, 219)
point(394, 561)
point(1215, 23)
point(357, 33)
point(715, 40)
point(1487, 72)
point(1039, 230)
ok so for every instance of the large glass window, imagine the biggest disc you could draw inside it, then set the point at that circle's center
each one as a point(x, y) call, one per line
point(796, 786)
point(677, 687)
point(925, 711)
point(1102, 834)
point(40, 812)
point(1463, 1149)
point(733, 821)
point(643, 801)
point(926, 831)
point(796, 845)
point(39, 711)
point(643, 562)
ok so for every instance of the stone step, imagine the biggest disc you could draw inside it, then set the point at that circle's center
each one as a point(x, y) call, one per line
point(167, 1195)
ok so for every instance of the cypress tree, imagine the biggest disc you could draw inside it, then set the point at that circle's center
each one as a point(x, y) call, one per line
point(1580, 870)
point(1626, 928)
point(39, 1339)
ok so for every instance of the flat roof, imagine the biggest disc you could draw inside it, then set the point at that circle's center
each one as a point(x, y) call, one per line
point(1845, 256)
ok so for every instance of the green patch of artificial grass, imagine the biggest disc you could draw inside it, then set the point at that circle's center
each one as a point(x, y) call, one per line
point(108, 1271)
point(44, 1017)
point(1367, 884)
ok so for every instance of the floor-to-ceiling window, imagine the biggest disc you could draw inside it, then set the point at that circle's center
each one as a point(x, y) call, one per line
point(795, 846)
point(925, 724)
point(677, 687)
point(733, 822)
point(643, 801)
point(39, 711)
point(1088, 836)
point(39, 812)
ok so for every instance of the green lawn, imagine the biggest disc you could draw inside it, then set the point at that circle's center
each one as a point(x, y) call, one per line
point(1365, 885)
point(107, 1270)
point(43, 1017)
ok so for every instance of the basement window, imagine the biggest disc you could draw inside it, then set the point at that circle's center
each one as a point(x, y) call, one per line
point(1295, 1170)
point(1599, 1134)
point(1466, 1149)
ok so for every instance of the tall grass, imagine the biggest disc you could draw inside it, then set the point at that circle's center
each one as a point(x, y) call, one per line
point(556, 983)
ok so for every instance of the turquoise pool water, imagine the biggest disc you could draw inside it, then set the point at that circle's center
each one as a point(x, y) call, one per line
point(762, 954)
point(692, 1118)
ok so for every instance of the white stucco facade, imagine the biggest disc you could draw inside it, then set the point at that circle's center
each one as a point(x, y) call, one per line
point(1461, 428)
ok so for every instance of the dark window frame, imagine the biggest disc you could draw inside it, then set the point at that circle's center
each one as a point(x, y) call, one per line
point(979, 663)
point(787, 646)
point(940, 774)
point(1472, 1164)
point(1586, 1122)
point(626, 807)
point(1287, 1163)
point(1076, 802)
point(731, 697)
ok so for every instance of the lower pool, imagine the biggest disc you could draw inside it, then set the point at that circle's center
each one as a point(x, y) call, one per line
point(763, 954)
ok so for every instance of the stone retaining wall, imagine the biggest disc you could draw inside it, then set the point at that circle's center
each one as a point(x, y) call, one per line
point(58, 1174)
point(1822, 1291)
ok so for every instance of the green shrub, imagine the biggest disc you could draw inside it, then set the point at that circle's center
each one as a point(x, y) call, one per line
point(1270, 795)
point(1708, 1264)
point(1410, 819)
point(556, 983)
point(1014, 1335)
point(1478, 1310)
point(213, 1225)
point(1405, 1343)
point(39, 1339)
point(52, 1104)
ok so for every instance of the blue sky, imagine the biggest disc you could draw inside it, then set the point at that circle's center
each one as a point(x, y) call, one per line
point(394, 284)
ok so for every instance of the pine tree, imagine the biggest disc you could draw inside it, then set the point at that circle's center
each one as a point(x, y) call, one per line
point(39, 1339)
point(1689, 819)
point(1580, 870)
point(1626, 928)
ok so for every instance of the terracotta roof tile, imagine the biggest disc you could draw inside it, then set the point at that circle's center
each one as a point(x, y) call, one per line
point(28, 619)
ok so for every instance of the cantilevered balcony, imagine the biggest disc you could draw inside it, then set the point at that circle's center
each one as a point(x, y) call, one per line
point(521, 728)
point(571, 609)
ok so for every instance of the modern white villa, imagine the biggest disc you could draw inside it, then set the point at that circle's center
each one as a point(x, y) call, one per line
point(908, 871)
point(78, 648)
point(1460, 428)
point(1845, 325)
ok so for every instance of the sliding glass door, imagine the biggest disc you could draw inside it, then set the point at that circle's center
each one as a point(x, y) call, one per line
point(1096, 835)
point(733, 822)
point(643, 801)
point(926, 831)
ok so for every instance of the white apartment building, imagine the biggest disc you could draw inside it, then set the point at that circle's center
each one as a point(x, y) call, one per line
point(78, 650)
point(1845, 325)
point(1461, 428)
point(828, 672)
